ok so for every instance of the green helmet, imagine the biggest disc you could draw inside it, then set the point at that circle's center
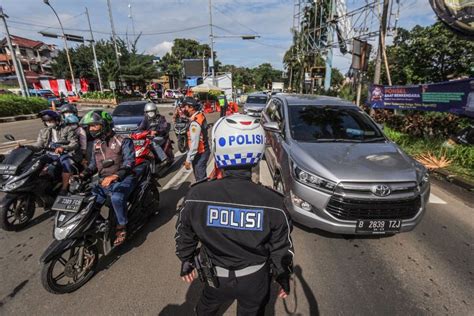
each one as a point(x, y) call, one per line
point(98, 117)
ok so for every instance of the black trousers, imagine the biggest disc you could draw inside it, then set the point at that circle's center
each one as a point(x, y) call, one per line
point(252, 293)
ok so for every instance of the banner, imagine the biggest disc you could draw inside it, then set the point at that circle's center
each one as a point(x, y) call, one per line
point(452, 96)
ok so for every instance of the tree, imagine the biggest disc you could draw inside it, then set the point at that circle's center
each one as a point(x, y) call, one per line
point(171, 63)
point(428, 54)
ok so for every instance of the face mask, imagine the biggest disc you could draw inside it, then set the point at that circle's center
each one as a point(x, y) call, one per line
point(151, 114)
point(96, 134)
point(50, 124)
point(68, 114)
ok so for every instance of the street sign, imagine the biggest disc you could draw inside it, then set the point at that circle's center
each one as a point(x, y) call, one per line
point(360, 55)
point(112, 85)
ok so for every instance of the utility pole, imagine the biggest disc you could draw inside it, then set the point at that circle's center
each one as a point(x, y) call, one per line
point(211, 36)
point(381, 46)
point(130, 15)
point(96, 64)
point(114, 36)
point(19, 75)
point(65, 45)
point(331, 27)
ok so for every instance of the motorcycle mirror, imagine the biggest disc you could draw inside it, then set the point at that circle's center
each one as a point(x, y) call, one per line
point(106, 163)
point(9, 137)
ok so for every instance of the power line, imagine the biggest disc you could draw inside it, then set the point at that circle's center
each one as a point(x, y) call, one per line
point(248, 28)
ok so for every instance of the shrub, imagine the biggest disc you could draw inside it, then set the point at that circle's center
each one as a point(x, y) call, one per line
point(96, 95)
point(422, 124)
point(11, 105)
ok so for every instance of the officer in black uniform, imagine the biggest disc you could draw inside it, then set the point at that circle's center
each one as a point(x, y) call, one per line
point(243, 227)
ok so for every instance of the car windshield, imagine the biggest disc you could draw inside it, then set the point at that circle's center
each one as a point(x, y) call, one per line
point(129, 110)
point(258, 100)
point(331, 124)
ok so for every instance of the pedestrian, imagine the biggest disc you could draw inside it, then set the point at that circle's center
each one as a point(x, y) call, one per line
point(198, 144)
point(243, 227)
point(223, 104)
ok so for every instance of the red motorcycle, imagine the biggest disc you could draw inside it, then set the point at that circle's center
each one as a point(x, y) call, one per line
point(143, 143)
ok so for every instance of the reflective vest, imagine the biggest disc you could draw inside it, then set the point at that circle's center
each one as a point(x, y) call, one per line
point(203, 139)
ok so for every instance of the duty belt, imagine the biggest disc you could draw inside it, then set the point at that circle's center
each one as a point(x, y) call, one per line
point(224, 273)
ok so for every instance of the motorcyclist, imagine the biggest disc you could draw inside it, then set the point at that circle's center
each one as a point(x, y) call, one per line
point(117, 180)
point(67, 154)
point(178, 110)
point(242, 234)
point(70, 118)
point(156, 123)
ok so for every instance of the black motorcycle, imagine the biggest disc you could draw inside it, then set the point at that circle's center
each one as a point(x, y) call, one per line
point(26, 182)
point(81, 233)
point(181, 131)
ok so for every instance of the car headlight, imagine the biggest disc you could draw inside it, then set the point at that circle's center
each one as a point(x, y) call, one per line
point(312, 180)
point(424, 179)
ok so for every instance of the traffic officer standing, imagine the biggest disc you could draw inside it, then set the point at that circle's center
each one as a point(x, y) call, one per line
point(198, 144)
point(242, 226)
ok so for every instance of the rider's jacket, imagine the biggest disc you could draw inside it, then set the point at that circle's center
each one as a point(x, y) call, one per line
point(60, 133)
point(116, 147)
point(158, 124)
point(197, 136)
point(238, 230)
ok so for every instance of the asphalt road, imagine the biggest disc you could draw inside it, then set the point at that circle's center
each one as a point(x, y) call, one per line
point(428, 271)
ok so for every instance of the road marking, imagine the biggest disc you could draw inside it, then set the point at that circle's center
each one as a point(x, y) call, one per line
point(265, 176)
point(183, 174)
point(436, 200)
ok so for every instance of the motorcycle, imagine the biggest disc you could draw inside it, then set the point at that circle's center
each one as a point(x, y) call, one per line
point(142, 142)
point(82, 234)
point(181, 131)
point(26, 182)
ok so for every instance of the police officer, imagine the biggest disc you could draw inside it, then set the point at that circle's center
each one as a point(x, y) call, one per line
point(198, 144)
point(243, 234)
point(223, 104)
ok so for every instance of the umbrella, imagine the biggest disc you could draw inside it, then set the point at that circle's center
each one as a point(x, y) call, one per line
point(205, 87)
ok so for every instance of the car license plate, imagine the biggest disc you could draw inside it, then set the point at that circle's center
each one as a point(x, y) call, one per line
point(71, 203)
point(379, 226)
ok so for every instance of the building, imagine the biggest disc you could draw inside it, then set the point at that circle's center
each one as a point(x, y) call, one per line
point(35, 57)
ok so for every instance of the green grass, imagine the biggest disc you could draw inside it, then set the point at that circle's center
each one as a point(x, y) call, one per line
point(462, 156)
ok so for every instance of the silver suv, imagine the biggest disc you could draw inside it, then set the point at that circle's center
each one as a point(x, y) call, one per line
point(255, 103)
point(338, 171)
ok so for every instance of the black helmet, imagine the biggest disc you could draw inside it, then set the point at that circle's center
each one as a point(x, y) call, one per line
point(49, 115)
point(190, 102)
point(68, 108)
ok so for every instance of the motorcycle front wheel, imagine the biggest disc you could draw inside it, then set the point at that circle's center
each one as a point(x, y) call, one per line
point(182, 146)
point(16, 211)
point(64, 275)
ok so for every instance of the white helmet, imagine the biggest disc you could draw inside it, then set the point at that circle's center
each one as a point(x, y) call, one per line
point(238, 140)
point(150, 109)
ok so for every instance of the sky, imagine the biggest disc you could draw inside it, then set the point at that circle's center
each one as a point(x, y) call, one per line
point(161, 21)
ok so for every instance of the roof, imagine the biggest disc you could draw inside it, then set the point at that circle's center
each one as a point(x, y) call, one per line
point(309, 99)
point(24, 42)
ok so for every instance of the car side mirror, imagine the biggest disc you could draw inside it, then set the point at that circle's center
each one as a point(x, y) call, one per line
point(272, 127)
point(107, 163)
point(9, 137)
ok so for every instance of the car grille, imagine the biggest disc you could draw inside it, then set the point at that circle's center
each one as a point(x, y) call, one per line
point(354, 209)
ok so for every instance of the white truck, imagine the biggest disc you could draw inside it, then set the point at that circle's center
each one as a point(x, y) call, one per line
point(277, 86)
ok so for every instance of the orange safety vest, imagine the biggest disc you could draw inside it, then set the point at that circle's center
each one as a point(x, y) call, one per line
point(203, 141)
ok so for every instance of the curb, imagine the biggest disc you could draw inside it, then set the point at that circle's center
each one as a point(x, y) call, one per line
point(18, 118)
point(454, 179)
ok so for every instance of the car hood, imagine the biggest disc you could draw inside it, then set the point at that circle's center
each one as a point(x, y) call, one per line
point(355, 162)
point(127, 120)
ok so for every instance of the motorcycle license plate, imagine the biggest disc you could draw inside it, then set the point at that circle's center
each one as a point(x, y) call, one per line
point(180, 125)
point(7, 169)
point(138, 142)
point(71, 203)
point(378, 226)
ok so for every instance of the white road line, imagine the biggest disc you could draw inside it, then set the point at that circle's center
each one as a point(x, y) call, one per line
point(436, 200)
point(265, 176)
point(183, 174)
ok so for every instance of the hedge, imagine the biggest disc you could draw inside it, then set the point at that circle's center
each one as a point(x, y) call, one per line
point(11, 105)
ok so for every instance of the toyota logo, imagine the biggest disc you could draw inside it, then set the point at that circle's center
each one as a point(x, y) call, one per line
point(381, 190)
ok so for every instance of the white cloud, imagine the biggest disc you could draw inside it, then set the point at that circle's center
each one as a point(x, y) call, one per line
point(161, 48)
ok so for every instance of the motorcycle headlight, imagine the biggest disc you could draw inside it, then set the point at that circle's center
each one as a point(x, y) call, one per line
point(12, 185)
point(312, 180)
point(61, 232)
